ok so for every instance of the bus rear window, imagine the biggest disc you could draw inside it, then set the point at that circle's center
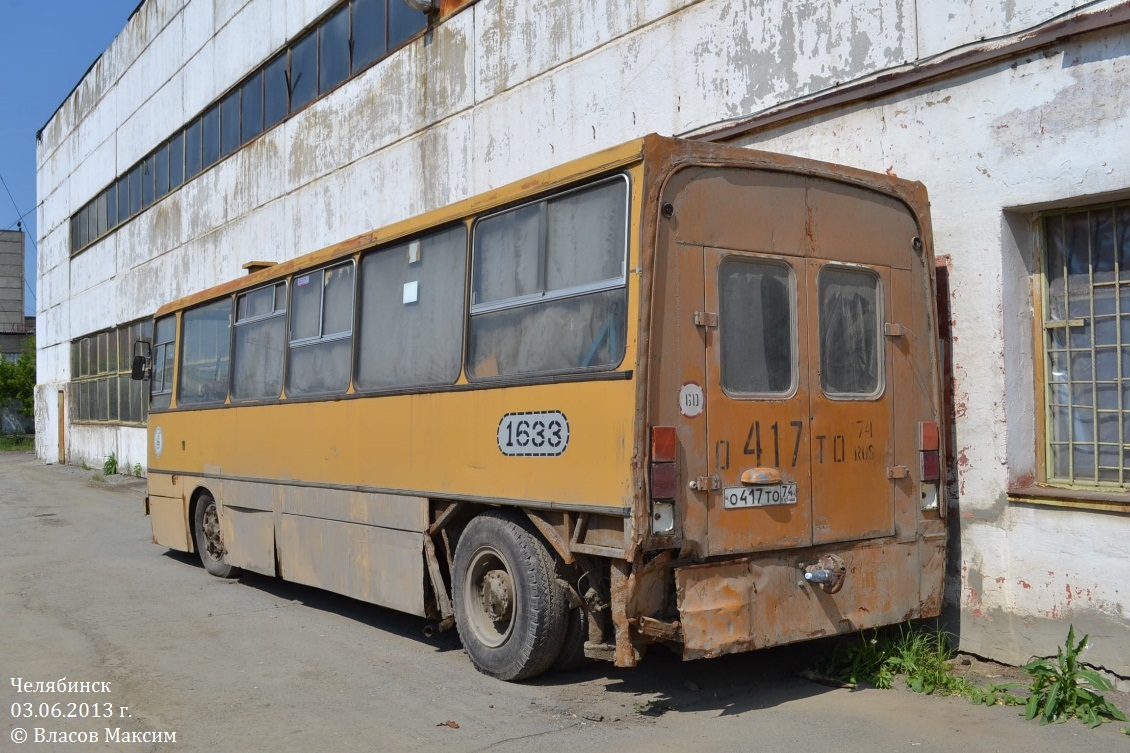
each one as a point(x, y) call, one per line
point(757, 325)
point(548, 292)
point(205, 350)
point(850, 346)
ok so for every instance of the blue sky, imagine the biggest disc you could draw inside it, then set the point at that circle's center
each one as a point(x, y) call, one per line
point(47, 47)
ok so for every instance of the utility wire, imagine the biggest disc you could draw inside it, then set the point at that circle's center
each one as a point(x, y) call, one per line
point(35, 248)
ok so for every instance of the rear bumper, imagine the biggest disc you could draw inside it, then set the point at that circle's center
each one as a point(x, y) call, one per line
point(755, 602)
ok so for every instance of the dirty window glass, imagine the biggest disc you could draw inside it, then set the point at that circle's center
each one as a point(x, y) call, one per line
point(403, 22)
point(176, 161)
point(756, 326)
point(112, 206)
point(210, 136)
point(306, 308)
point(135, 190)
point(161, 171)
point(251, 108)
point(508, 255)
point(275, 97)
point(321, 331)
point(304, 70)
point(368, 31)
point(411, 312)
point(123, 198)
point(851, 355)
point(333, 55)
point(161, 377)
point(586, 237)
point(548, 289)
point(192, 150)
point(205, 350)
point(229, 123)
point(260, 332)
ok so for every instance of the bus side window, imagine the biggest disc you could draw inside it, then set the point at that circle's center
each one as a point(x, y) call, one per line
point(321, 331)
point(260, 331)
point(549, 290)
point(411, 312)
point(161, 380)
point(205, 351)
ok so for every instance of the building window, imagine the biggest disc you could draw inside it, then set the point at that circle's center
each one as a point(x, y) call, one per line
point(101, 388)
point(320, 59)
point(1086, 327)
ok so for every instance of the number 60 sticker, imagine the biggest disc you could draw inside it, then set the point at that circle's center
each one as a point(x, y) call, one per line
point(537, 433)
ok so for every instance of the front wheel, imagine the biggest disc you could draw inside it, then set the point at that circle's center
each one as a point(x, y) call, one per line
point(209, 540)
point(509, 608)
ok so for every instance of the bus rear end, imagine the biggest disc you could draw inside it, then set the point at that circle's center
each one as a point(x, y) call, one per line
point(792, 403)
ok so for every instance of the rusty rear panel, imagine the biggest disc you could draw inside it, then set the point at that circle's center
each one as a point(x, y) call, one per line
point(856, 459)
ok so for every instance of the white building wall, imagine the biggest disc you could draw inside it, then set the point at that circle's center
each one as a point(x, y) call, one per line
point(504, 89)
point(1050, 129)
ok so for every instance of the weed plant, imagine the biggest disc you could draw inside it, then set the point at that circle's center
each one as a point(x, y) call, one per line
point(1063, 688)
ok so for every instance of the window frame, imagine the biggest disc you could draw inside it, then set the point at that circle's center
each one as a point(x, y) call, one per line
point(275, 313)
point(1090, 493)
point(880, 339)
point(794, 313)
point(575, 291)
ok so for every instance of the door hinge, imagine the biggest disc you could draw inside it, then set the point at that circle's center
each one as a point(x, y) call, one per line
point(892, 329)
point(897, 471)
point(706, 319)
point(706, 484)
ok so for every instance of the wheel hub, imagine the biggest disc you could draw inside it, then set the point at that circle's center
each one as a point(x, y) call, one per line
point(212, 540)
point(497, 595)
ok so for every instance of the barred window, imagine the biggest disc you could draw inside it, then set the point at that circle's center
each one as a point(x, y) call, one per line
point(1086, 327)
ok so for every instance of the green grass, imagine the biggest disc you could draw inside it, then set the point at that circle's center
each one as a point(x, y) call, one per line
point(16, 444)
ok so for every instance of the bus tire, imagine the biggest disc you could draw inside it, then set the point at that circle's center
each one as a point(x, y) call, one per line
point(573, 651)
point(209, 540)
point(510, 610)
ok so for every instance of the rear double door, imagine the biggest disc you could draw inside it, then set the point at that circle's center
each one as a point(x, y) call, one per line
point(799, 406)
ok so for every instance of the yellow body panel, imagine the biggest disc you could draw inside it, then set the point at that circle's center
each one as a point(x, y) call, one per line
point(438, 444)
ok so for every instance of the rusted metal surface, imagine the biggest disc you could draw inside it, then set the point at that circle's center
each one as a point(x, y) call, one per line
point(756, 602)
point(854, 528)
point(626, 654)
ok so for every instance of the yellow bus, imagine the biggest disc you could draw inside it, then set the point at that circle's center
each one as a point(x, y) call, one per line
point(674, 392)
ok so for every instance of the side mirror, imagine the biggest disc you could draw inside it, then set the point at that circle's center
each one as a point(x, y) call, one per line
point(137, 373)
point(140, 367)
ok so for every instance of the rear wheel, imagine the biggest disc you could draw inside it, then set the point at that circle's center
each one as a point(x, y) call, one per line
point(573, 650)
point(509, 608)
point(209, 539)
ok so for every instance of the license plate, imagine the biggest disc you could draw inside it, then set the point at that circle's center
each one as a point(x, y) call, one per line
point(734, 497)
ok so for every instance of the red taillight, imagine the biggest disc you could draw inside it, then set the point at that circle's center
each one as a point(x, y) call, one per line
point(663, 480)
point(931, 466)
point(664, 475)
point(928, 436)
point(664, 444)
point(929, 443)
